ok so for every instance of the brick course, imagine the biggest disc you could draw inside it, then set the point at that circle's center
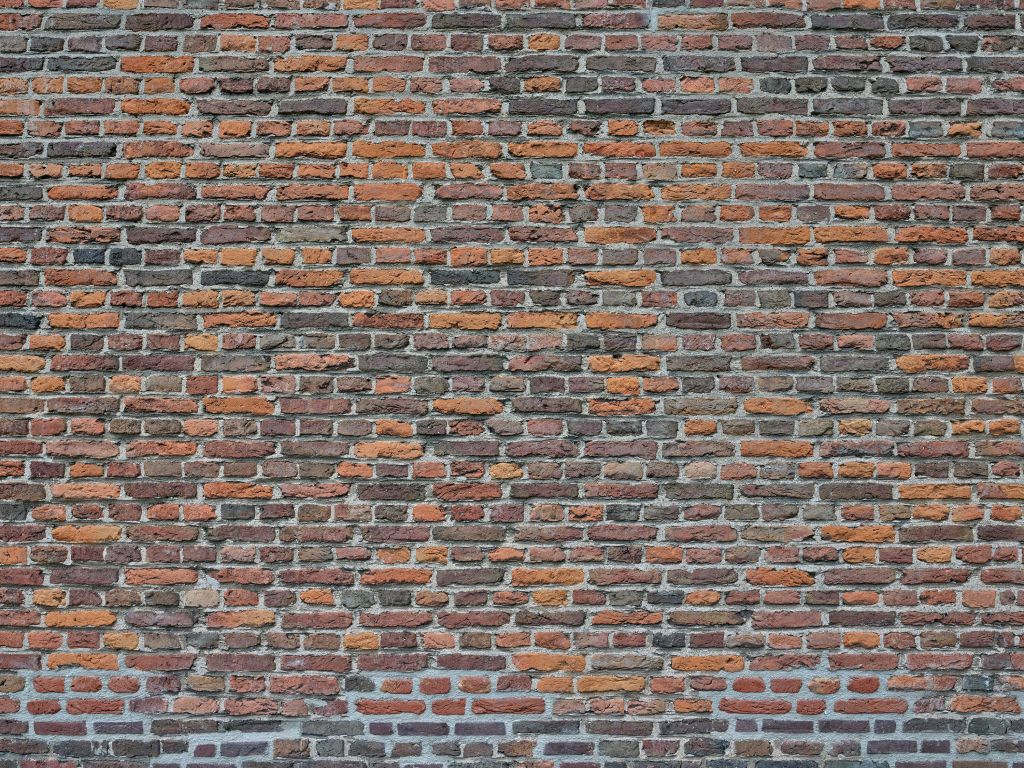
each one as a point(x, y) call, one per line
point(565, 384)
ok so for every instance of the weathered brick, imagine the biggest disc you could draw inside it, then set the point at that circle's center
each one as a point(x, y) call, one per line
point(497, 384)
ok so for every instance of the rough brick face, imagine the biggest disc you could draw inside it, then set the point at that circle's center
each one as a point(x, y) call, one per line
point(555, 384)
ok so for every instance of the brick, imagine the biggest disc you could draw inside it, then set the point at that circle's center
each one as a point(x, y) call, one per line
point(425, 384)
point(81, 618)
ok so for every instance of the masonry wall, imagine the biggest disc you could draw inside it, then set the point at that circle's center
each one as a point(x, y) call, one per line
point(562, 384)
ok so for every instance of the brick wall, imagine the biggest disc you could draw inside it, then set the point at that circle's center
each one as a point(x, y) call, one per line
point(561, 384)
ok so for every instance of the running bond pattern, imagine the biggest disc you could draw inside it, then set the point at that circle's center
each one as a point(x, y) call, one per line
point(568, 383)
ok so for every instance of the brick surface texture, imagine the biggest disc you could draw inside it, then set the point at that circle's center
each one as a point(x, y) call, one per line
point(511, 383)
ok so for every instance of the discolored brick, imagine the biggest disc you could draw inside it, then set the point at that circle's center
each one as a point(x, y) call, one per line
point(546, 384)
